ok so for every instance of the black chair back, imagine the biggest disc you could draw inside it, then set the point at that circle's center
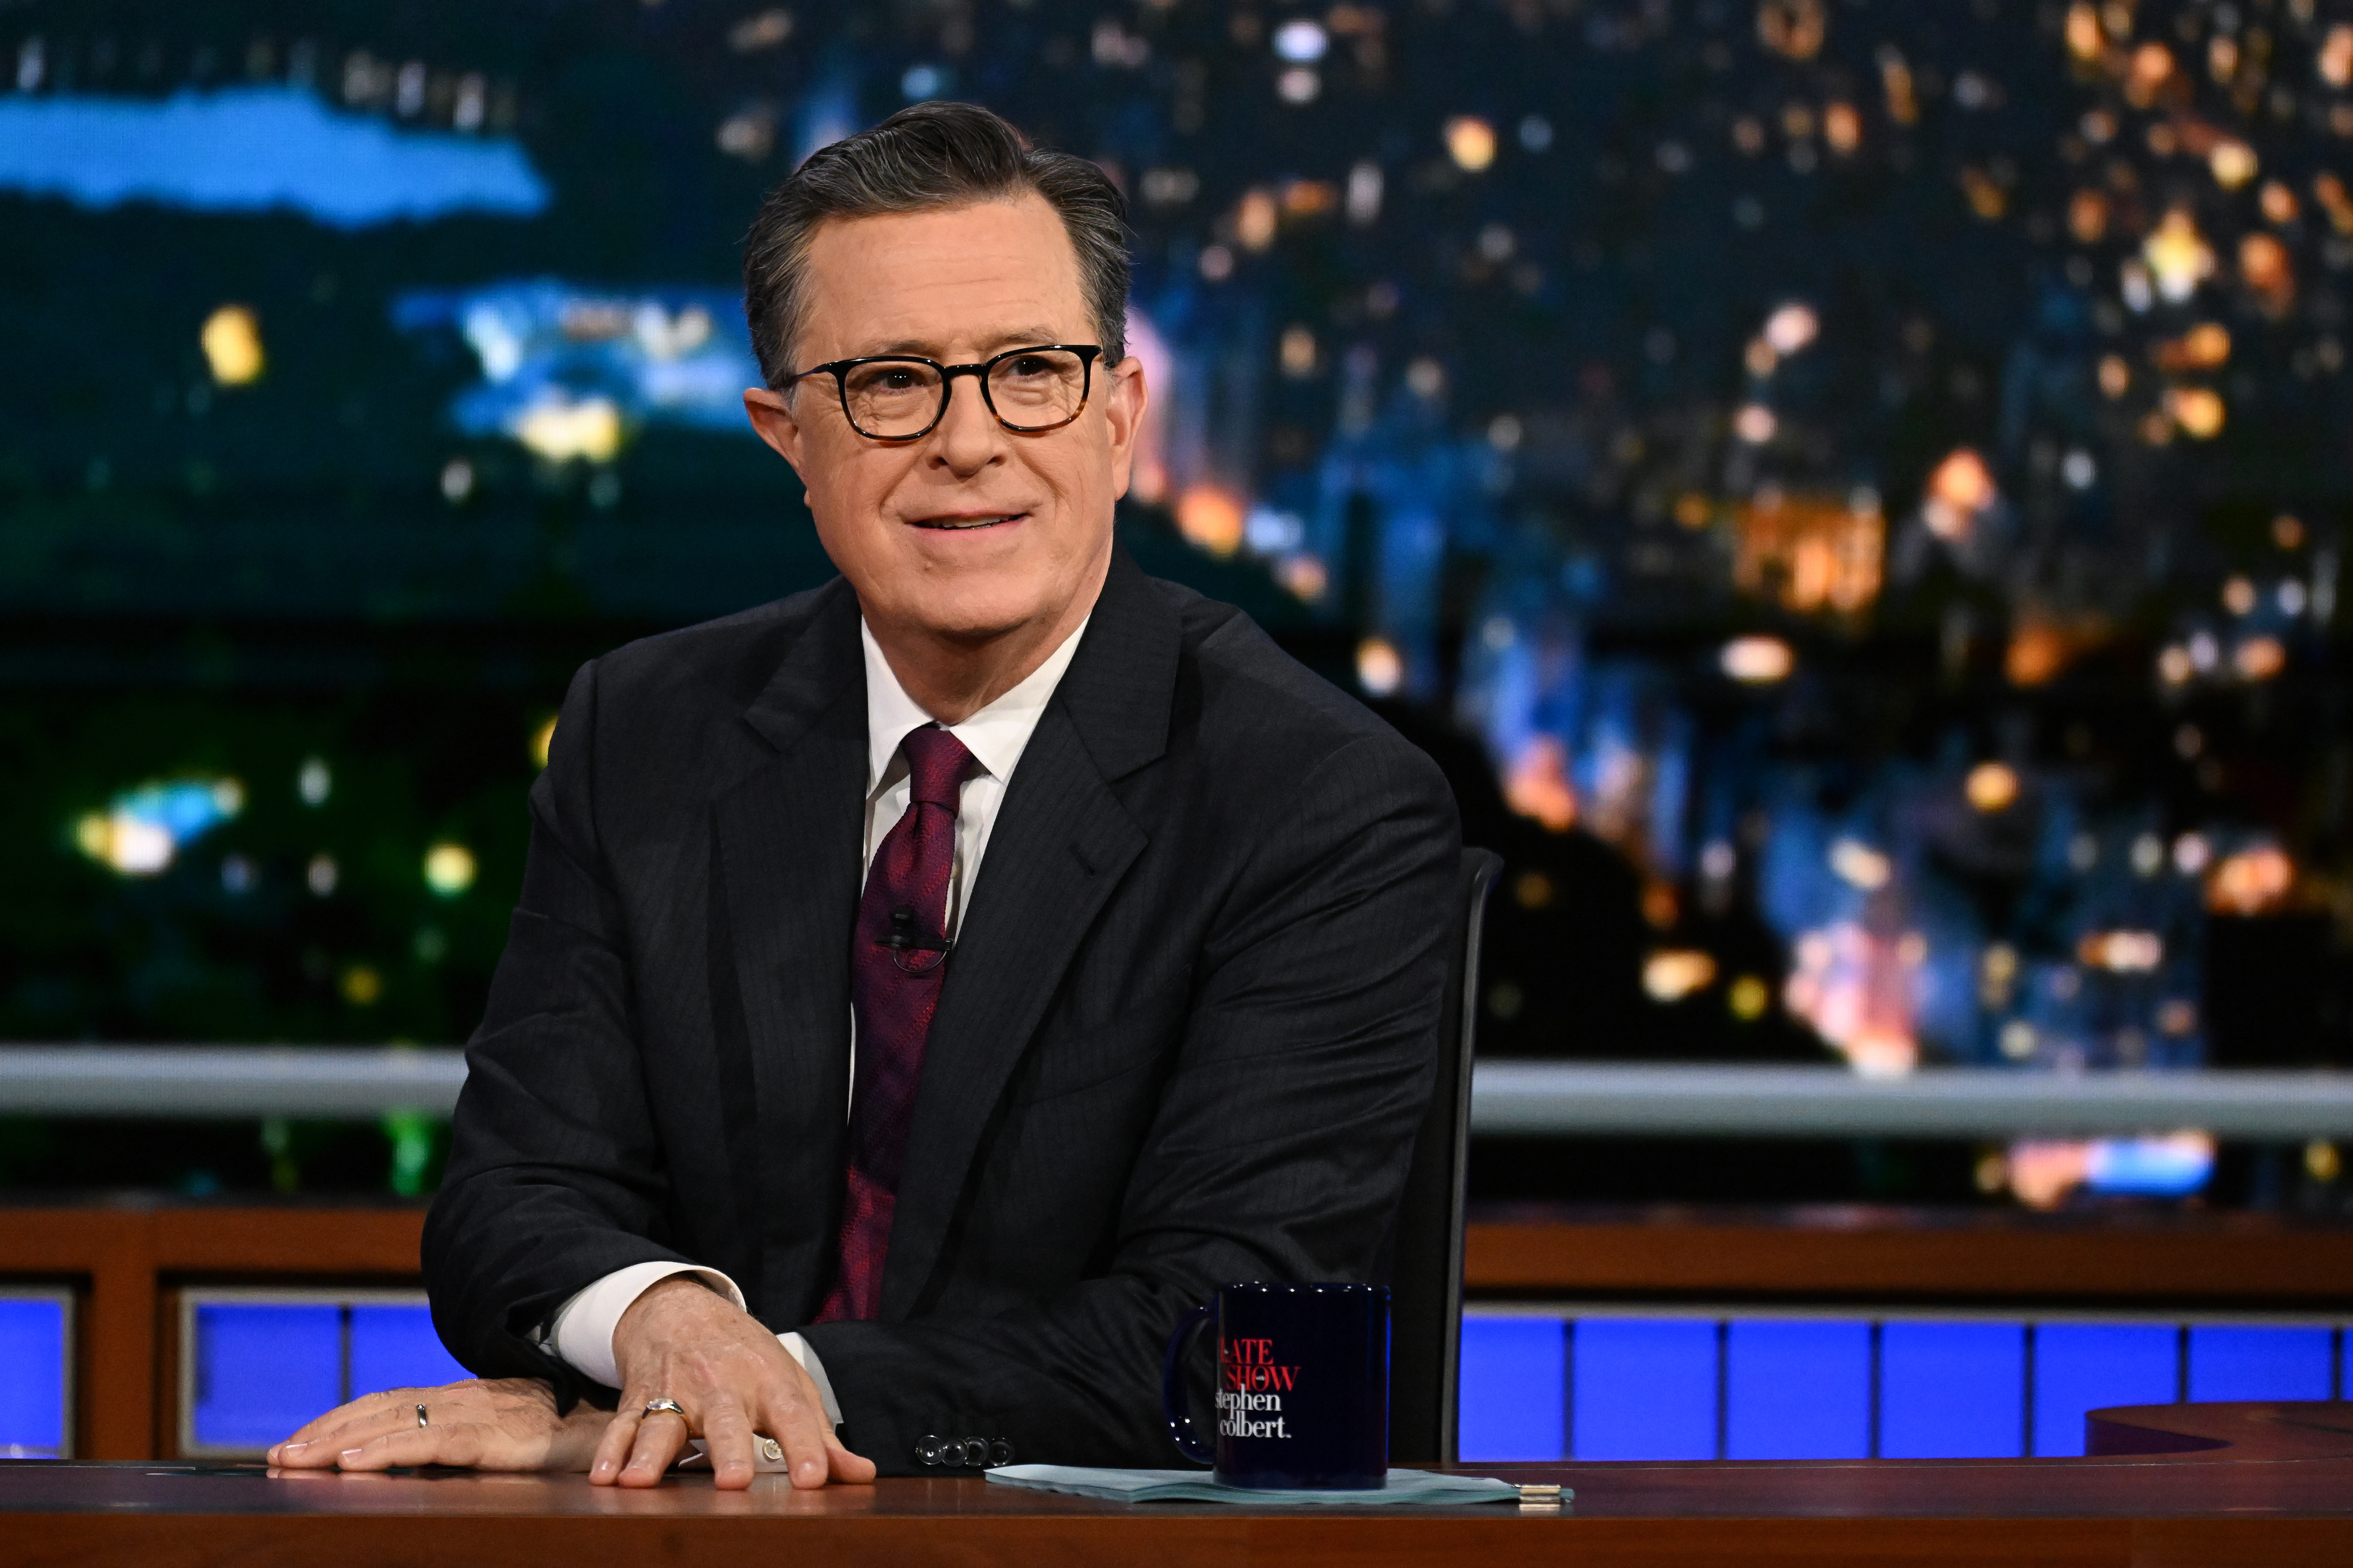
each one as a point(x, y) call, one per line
point(1426, 1257)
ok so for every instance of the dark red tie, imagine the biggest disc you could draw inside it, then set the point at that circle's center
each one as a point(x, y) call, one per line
point(896, 959)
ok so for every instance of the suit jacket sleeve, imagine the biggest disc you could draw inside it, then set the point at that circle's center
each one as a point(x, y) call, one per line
point(555, 1176)
point(1279, 1148)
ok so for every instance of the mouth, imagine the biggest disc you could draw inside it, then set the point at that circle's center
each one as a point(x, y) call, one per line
point(965, 522)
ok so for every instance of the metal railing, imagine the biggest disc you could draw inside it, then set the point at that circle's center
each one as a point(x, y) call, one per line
point(1508, 1098)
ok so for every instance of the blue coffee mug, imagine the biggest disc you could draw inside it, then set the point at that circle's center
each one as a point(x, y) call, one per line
point(1303, 1386)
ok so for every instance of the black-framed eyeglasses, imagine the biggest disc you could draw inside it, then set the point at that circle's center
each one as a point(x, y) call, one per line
point(899, 397)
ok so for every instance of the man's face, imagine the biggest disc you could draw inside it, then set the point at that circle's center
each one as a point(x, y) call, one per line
point(973, 531)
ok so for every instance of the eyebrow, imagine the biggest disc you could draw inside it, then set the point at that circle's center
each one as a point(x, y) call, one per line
point(1011, 338)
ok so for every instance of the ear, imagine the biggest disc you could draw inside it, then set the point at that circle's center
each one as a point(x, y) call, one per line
point(1123, 415)
point(771, 414)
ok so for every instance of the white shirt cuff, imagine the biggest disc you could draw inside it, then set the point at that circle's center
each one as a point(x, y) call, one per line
point(582, 1329)
point(805, 1354)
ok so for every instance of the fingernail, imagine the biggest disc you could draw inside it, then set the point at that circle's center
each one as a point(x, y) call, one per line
point(351, 1454)
point(291, 1447)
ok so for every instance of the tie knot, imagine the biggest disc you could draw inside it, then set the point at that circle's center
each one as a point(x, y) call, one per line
point(936, 762)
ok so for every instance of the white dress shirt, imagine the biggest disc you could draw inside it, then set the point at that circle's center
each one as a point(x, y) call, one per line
point(582, 1329)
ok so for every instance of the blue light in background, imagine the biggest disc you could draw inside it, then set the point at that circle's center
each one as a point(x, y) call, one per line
point(396, 1347)
point(1644, 1389)
point(1510, 1384)
point(2080, 1367)
point(2236, 1363)
point(32, 1377)
point(256, 149)
point(1796, 1390)
point(1952, 1391)
point(261, 1371)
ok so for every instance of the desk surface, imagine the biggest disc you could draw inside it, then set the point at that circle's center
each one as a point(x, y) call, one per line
point(2264, 1485)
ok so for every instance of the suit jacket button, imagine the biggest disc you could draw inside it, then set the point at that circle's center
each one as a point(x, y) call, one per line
point(1000, 1452)
point(927, 1449)
point(975, 1452)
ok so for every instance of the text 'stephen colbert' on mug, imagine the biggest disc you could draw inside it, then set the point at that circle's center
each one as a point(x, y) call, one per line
point(1250, 1387)
point(1302, 1385)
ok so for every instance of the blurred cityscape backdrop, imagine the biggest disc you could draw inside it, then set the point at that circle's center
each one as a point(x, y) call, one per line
point(1855, 492)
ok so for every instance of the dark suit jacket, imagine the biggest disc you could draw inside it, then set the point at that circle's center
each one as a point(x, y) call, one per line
point(1185, 1036)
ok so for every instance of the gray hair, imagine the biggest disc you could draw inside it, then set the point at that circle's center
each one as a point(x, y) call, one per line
point(928, 156)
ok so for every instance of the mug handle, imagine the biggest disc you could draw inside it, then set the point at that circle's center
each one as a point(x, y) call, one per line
point(1172, 1389)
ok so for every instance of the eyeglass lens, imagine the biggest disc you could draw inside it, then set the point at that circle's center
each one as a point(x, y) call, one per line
point(1033, 390)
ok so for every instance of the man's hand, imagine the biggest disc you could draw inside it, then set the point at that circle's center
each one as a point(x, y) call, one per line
point(682, 1341)
point(506, 1423)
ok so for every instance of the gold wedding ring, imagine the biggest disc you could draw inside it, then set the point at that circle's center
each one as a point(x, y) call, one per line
point(653, 1407)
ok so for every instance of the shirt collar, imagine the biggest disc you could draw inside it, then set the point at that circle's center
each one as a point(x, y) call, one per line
point(996, 736)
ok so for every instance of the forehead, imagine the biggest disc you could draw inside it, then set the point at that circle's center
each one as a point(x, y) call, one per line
point(944, 280)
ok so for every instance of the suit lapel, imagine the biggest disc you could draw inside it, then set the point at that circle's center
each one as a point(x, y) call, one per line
point(788, 848)
point(1061, 842)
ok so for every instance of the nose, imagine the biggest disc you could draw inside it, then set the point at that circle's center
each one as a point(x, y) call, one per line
point(968, 437)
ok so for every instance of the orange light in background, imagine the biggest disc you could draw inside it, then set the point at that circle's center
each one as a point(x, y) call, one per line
point(1304, 576)
point(1896, 81)
point(2202, 347)
point(2330, 191)
point(2178, 255)
point(2197, 409)
point(1960, 489)
point(2084, 39)
point(2267, 271)
point(2259, 657)
point(1537, 785)
point(2337, 55)
point(1793, 28)
point(1672, 973)
point(2087, 216)
point(1470, 142)
point(2233, 162)
point(2115, 376)
point(1757, 661)
point(1210, 519)
point(232, 345)
point(1810, 552)
point(1381, 669)
point(2151, 64)
point(1660, 908)
point(2038, 651)
point(2252, 883)
point(1841, 128)
point(2278, 202)
point(2121, 951)
point(1991, 786)
point(1254, 220)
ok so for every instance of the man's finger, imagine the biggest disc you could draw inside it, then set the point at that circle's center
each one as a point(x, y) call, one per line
point(727, 1438)
point(851, 1469)
point(346, 1426)
point(460, 1445)
point(613, 1448)
point(659, 1437)
point(800, 1428)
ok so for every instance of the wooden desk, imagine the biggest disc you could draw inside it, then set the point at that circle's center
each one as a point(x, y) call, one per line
point(2265, 1485)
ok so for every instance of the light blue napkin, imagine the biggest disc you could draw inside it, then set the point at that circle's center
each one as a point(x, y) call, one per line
point(1405, 1487)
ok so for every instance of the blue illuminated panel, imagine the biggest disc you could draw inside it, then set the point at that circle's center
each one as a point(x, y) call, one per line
point(261, 1363)
point(1511, 1382)
point(263, 1369)
point(1796, 1390)
point(396, 1347)
point(33, 1381)
point(2080, 1367)
point(1644, 1389)
point(1952, 1391)
point(2234, 1363)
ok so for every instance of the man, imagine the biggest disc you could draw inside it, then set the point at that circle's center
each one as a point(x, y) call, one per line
point(927, 987)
